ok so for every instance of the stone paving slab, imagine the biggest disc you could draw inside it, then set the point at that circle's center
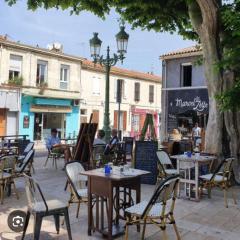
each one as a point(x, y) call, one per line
point(204, 220)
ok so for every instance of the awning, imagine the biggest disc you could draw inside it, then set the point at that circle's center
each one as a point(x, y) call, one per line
point(50, 109)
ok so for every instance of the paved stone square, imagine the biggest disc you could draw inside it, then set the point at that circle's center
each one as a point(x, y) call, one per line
point(204, 220)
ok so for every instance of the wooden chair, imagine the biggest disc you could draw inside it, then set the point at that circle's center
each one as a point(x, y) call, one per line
point(165, 166)
point(7, 165)
point(39, 207)
point(159, 210)
point(219, 178)
point(78, 188)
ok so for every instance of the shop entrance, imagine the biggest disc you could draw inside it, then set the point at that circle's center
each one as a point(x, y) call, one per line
point(2, 121)
point(44, 122)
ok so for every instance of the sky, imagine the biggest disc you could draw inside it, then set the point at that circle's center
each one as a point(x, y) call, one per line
point(44, 27)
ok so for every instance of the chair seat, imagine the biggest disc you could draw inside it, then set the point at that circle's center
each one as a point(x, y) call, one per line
point(83, 192)
point(139, 208)
point(5, 176)
point(171, 171)
point(217, 178)
point(53, 204)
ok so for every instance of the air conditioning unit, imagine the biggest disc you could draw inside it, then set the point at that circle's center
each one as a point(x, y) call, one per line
point(76, 103)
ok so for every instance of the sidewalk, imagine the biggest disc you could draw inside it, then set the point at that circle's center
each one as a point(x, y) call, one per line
point(204, 220)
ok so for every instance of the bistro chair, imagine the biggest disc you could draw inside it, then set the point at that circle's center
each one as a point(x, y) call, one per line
point(54, 156)
point(77, 182)
point(7, 165)
point(98, 154)
point(39, 207)
point(20, 158)
point(159, 210)
point(221, 177)
point(165, 166)
point(26, 166)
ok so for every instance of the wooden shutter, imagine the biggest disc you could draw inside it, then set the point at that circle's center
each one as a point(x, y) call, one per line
point(115, 119)
point(137, 91)
point(151, 93)
point(124, 120)
point(95, 118)
point(142, 120)
point(2, 122)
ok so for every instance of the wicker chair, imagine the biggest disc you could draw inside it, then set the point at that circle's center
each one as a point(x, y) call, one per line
point(77, 182)
point(165, 166)
point(7, 166)
point(159, 210)
point(39, 207)
point(220, 178)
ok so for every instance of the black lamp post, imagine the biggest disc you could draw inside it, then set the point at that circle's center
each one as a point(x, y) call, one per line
point(108, 62)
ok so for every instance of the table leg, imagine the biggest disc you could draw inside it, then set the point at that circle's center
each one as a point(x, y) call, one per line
point(138, 199)
point(196, 180)
point(117, 206)
point(110, 212)
point(90, 210)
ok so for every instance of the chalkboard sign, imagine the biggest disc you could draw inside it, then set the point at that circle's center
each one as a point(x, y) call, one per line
point(146, 159)
point(172, 122)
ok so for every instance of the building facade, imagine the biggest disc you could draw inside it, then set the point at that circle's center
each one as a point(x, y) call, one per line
point(140, 95)
point(50, 88)
point(184, 92)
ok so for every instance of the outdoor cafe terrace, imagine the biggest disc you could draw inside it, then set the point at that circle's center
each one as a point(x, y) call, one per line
point(207, 219)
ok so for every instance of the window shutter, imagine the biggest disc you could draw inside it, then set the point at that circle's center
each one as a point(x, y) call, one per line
point(124, 120)
point(95, 118)
point(151, 93)
point(137, 91)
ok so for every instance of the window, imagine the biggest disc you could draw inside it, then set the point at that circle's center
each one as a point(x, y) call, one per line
point(64, 76)
point(135, 122)
point(151, 93)
point(41, 72)
point(83, 111)
point(15, 66)
point(122, 86)
point(122, 120)
point(137, 91)
point(186, 75)
point(96, 85)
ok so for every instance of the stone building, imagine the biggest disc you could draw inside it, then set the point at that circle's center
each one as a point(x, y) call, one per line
point(184, 92)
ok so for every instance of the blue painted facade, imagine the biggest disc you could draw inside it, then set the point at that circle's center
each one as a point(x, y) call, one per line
point(72, 119)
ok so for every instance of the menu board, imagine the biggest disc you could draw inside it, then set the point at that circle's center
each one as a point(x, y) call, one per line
point(146, 159)
point(172, 122)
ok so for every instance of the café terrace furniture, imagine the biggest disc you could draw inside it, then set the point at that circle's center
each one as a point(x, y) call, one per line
point(165, 166)
point(26, 165)
point(54, 156)
point(101, 189)
point(159, 210)
point(20, 158)
point(78, 186)
point(7, 165)
point(98, 154)
point(189, 180)
point(39, 207)
point(221, 178)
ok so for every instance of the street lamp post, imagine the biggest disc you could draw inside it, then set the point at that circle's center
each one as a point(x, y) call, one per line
point(108, 62)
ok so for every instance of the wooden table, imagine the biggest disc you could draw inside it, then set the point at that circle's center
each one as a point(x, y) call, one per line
point(191, 162)
point(103, 188)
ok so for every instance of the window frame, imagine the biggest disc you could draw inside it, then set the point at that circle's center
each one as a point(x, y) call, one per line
point(182, 74)
point(38, 76)
point(63, 74)
point(137, 93)
point(151, 93)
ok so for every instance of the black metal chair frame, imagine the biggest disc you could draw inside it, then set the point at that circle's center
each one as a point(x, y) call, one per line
point(32, 186)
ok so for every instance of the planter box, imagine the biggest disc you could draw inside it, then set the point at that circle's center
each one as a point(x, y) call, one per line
point(146, 159)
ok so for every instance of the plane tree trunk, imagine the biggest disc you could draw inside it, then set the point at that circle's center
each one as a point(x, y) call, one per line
point(223, 130)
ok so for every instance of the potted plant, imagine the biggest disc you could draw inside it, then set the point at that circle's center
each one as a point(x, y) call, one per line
point(42, 86)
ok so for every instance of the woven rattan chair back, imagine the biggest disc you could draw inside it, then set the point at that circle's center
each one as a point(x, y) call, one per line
point(76, 179)
point(8, 162)
point(163, 157)
point(166, 190)
point(26, 161)
point(28, 147)
point(226, 167)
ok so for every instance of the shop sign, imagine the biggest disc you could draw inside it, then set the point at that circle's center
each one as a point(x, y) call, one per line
point(180, 101)
point(26, 122)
